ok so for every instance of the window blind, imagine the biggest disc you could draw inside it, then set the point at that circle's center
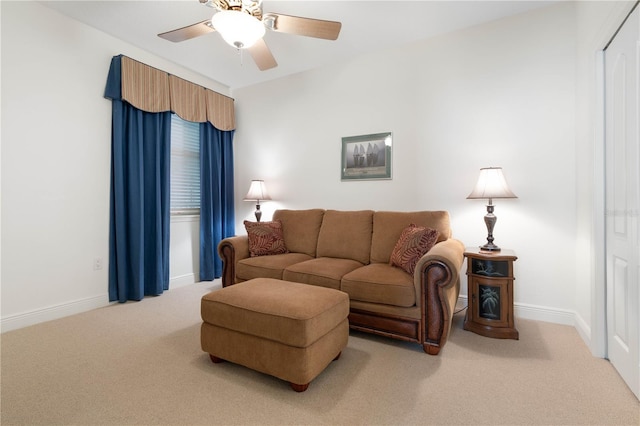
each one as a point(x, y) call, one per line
point(185, 166)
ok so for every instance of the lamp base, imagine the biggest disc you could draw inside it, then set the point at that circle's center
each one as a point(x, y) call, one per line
point(490, 221)
point(489, 247)
point(258, 212)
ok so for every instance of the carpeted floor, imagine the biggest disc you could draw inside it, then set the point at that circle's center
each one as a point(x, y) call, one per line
point(140, 363)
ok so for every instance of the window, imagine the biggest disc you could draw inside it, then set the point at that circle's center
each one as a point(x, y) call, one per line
point(185, 166)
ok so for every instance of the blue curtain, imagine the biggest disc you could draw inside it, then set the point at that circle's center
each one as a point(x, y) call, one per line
point(217, 215)
point(139, 216)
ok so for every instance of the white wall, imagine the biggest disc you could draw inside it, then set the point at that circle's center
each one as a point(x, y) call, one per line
point(500, 94)
point(56, 129)
point(184, 262)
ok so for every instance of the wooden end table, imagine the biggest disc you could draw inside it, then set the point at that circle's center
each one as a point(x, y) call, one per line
point(490, 287)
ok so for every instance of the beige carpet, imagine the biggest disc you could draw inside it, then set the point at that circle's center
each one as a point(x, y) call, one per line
point(141, 363)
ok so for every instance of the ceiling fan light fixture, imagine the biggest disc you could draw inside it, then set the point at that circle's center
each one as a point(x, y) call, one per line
point(237, 28)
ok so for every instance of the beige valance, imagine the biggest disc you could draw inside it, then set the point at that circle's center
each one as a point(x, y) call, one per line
point(152, 90)
point(188, 100)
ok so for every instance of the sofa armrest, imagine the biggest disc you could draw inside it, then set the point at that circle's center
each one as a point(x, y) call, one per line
point(231, 251)
point(437, 280)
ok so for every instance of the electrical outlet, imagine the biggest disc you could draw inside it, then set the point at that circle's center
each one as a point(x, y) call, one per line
point(97, 264)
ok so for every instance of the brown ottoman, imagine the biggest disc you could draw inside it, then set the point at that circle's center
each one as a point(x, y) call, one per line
point(288, 330)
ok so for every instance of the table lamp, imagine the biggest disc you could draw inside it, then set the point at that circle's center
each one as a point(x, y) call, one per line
point(491, 184)
point(257, 192)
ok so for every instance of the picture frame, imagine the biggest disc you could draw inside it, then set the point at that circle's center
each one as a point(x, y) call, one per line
point(367, 157)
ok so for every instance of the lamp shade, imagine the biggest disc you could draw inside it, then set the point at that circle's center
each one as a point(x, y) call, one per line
point(257, 191)
point(491, 184)
point(237, 28)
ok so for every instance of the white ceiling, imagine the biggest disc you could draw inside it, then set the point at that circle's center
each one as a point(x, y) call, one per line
point(366, 26)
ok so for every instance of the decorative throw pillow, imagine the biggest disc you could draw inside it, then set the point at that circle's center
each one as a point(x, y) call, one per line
point(265, 238)
point(413, 243)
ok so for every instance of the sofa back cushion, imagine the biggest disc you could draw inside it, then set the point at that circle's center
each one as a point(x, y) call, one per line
point(300, 229)
point(388, 226)
point(346, 235)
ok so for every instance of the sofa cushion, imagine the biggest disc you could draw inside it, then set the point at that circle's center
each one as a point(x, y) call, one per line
point(413, 243)
point(380, 283)
point(387, 227)
point(267, 266)
point(346, 235)
point(322, 271)
point(265, 238)
point(300, 229)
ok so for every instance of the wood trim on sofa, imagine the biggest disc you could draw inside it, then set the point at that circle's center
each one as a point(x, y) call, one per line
point(436, 310)
point(227, 254)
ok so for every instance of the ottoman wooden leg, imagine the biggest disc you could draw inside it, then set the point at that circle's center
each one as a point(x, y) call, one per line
point(215, 359)
point(299, 388)
point(302, 388)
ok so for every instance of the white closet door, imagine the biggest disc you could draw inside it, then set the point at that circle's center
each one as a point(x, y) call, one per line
point(622, 152)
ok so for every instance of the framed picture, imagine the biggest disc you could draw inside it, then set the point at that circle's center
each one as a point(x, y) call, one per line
point(366, 157)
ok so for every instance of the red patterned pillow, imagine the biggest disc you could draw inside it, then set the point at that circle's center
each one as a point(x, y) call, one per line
point(265, 238)
point(413, 243)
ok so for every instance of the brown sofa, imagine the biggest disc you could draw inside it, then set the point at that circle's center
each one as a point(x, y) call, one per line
point(350, 251)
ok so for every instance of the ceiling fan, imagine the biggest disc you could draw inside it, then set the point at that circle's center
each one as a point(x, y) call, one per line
point(242, 24)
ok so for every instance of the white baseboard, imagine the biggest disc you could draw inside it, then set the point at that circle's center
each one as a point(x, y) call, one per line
point(537, 313)
point(14, 322)
point(583, 329)
point(182, 280)
point(544, 313)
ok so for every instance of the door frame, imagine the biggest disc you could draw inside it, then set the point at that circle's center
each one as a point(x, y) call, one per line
point(599, 345)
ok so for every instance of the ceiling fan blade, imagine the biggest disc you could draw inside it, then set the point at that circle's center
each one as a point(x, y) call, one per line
point(190, 31)
point(318, 28)
point(262, 55)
